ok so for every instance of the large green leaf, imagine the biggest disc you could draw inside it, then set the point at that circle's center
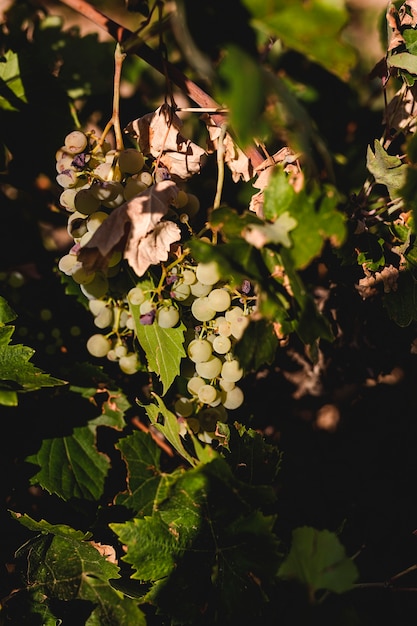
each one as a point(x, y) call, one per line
point(71, 466)
point(312, 28)
point(387, 169)
point(318, 560)
point(142, 457)
point(63, 564)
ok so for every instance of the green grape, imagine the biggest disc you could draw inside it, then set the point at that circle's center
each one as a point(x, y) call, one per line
point(67, 263)
point(208, 273)
point(238, 326)
point(67, 179)
point(181, 199)
point(209, 369)
point(184, 407)
point(114, 260)
point(77, 225)
point(104, 318)
point(207, 394)
point(221, 344)
point(96, 306)
point(64, 163)
point(75, 142)
point(202, 310)
point(85, 202)
point(97, 288)
point(188, 276)
point(131, 161)
point(133, 187)
point(194, 385)
point(119, 198)
point(81, 276)
point(208, 419)
point(226, 385)
point(98, 345)
point(180, 291)
point(129, 363)
point(120, 351)
point(219, 299)
point(222, 326)
point(107, 172)
point(199, 290)
point(145, 177)
point(199, 350)
point(192, 206)
point(233, 399)
point(85, 238)
point(136, 296)
point(167, 316)
point(231, 370)
point(95, 220)
point(234, 312)
point(67, 197)
point(104, 190)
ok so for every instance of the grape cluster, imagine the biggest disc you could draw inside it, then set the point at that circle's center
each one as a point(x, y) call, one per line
point(97, 179)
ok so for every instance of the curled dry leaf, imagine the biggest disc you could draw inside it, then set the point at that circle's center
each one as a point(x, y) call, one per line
point(289, 161)
point(236, 160)
point(127, 228)
point(159, 135)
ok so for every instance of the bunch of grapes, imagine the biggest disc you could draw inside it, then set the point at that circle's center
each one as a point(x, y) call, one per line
point(96, 180)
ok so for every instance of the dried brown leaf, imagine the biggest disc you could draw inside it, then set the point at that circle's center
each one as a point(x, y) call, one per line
point(127, 226)
point(154, 247)
point(159, 135)
point(237, 161)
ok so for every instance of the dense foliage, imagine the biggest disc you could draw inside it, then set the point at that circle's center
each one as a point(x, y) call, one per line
point(208, 313)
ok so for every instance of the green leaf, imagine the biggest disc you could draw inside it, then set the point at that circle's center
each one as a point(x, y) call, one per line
point(71, 467)
point(236, 71)
point(163, 347)
point(167, 423)
point(313, 29)
point(258, 345)
point(7, 314)
point(113, 408)
point(12, 91)
point(44, 527)
point(61, 564)
point(401, 304)
point(142, 457)
point(403, 61)
point(318, 560)
point(387, 169)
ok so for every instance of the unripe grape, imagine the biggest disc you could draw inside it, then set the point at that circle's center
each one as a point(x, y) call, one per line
point(133, 188)
point(85, 202)
point(81, 276)
point(96, 306)
point(221, 344)
point(226, 385)
point(119, 198)
point(129, 363)
point(202, 310)
point(68, 178)
point(207, 394)
point(131, 161)
point(194, 385)
point(64, 163)
point(222, 326)
point(95, 220)
point(238, 326)
point(136, 296)
point(180, 291)
point(219, 299)
point(167, 316)
point(181, 199)
point(104, 318)
point(192, 206)
point(98, 345)
point(67, 197)
point(97, 288)
point(208, 273)
point(104, 190)
point(145, 177)
point(199, 290)
point(75, 142)
point(209, 369)
point(232, 371)
point(233, 398)
point(189, 277)
point(208, 419)
point(184, 407)
point(199, 350)
point(120, 351)
point(85, 238)
point(108, 172)
point(66, 264)
point(146, 307)
point(233, 312)
point(77, 225)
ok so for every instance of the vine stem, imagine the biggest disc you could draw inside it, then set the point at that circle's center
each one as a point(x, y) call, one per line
point(130, 42)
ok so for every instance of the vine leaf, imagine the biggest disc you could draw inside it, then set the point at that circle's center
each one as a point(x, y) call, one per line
point(63, 564)
point(318, 560)
point(130, 228)
point(170, 429)
point(142, 458)
point(163, 348)
point(71, 467)
point(17, 374)
point(159, 135)
point(12, 95)
point(387, 169)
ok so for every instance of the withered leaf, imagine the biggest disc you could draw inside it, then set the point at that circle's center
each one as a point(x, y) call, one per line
point(236, 160)
point(154, 247)
point(159, 134)
point(127, 226)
